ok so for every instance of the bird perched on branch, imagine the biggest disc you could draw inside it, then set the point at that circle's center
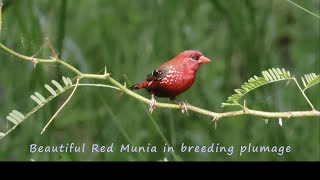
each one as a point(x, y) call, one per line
point(173, 77)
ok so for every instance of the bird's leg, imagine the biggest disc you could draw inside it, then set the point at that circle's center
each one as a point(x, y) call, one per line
point(182, 105)
point(153, 104)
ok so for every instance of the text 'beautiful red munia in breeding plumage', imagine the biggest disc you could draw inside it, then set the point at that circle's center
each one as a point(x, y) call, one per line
point(173, 77)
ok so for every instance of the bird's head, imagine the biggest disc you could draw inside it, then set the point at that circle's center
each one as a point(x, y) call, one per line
point(192, 59)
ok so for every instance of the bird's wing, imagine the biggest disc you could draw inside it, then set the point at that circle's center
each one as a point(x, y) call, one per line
point(158, 74)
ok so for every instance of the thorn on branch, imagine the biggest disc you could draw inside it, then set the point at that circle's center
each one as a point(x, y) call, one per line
point(54, 58)
point(280, 121)
point(290, 114)
point(265, 120)
point(245, 110)
point(288, 82)
point(184, 108)
point(55, 55)
point(215, 120)
point(121, 91)
point(107, 75)
point(105, 70)
point(34, 62)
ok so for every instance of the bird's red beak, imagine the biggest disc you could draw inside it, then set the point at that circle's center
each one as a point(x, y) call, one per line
point(204, 59)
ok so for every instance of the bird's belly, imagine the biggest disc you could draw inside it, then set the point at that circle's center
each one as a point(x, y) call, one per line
point(170, 87)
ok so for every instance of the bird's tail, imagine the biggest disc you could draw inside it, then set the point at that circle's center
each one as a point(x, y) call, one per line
point(139, 86)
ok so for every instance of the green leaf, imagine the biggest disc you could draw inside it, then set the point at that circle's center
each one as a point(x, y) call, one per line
point(238, 91)
point(249, 85)
point(57, 85)
point(226, 104)
point(70, 82)
point(39, 96)
point(264, 74)
point(313, 82)
point(272, 74)
point(276, 73)
point(288, 74)
point(310, 80)
point(50, 90)
point(9, 118)
point(65, 81)
point(269, 76)
point(279, 71)
point(14, 116)
point(307, 77)
point(38, 101)
point(21, 116)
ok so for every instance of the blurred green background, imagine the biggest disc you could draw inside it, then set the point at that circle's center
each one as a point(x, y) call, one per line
point(133, 37)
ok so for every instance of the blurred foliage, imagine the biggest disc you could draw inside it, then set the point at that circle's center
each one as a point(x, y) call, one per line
point(132, 38)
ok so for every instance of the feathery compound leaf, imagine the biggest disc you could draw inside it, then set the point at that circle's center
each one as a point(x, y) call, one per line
point(57, 85)
point(38, 101)
point(17, 117)
point(310, 80)
point(49, 88)
point(269, 76)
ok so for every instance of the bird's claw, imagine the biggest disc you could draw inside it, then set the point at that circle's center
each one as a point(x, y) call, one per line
point(153, 104)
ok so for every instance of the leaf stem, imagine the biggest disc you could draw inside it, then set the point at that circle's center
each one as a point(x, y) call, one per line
point(304, 9)
point(304, 95)
point(55, 114)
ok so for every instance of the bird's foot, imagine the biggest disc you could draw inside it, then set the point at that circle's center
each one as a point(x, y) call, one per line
point(153, 104)
point(183, 107)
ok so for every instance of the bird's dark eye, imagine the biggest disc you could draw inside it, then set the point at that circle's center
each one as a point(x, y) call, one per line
point(194, 57)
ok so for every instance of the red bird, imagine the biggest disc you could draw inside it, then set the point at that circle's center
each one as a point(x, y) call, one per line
point(173, 77)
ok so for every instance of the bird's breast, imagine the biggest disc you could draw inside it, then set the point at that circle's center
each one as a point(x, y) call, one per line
point(174, 83)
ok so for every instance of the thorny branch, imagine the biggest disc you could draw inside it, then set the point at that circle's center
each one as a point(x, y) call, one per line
point(213, 115)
